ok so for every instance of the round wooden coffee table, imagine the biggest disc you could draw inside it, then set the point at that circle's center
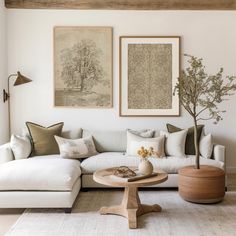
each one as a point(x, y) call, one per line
point(131, 206)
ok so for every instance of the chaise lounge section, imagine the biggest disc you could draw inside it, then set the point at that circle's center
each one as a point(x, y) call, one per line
point(39, 182)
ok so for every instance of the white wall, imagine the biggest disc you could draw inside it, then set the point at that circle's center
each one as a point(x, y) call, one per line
point(3, 75)
point(208, 34)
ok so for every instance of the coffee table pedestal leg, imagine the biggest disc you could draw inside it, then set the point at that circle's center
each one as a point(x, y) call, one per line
point(130, 207)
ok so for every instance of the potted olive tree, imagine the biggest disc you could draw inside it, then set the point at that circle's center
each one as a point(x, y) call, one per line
point(200, 94)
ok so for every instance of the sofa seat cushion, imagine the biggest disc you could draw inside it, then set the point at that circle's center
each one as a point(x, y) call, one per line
point(43, 173)
point(170, 164)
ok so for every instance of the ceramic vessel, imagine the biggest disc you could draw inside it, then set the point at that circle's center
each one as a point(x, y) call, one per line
point(145, 167)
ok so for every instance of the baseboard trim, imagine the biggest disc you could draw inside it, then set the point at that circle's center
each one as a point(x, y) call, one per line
point(231, 170)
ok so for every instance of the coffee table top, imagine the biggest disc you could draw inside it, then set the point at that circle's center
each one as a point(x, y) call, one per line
point(106, 177)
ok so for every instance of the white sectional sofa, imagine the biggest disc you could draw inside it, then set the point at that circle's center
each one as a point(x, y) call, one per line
point(53, 182)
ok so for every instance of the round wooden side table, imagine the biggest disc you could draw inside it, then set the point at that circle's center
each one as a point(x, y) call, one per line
point(131, 207)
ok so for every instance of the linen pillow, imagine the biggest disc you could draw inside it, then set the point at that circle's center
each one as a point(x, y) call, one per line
point(206, 146)
point(135, 142)
point(42, 138)
point(20, 146)
point(189, 144)
point(175, 143)
point(76, 148)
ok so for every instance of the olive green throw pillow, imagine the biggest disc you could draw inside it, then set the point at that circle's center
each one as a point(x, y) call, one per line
point(43, 140)
point(189, 144)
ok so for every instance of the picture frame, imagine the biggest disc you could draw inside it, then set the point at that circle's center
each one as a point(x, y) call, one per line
point(83, 66)
point(149, 71)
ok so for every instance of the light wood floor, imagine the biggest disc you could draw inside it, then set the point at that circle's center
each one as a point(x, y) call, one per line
point(9, 216)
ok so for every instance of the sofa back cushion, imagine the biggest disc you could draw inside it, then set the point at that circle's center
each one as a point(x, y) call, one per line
point(108, 141)
point(70, 134)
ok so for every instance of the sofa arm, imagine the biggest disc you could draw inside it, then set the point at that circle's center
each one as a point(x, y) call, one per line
point(6, 154)
point(219, 153)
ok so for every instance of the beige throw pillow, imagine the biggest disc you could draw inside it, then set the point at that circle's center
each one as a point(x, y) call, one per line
point(175, 143)
point(135, 142)
point(76, 148)
point(43, 139)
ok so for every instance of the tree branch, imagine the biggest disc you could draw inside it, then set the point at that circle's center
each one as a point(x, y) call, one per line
point(188, 109)
point(209, 118)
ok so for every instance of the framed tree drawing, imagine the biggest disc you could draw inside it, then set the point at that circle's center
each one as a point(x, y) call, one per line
point(83, 67)
point(149, 71)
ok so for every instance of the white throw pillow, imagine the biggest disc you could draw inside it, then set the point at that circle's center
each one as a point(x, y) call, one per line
point(131, 134)
point(135, 142)
point(175, 143)
point(206, 146)
point(20, 146)
point(76, 148)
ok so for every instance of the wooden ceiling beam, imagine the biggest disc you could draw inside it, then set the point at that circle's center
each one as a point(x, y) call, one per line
point(124, 4)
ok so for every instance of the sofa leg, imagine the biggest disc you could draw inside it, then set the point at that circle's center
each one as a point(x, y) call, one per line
point(84, 189)
point(68, 210)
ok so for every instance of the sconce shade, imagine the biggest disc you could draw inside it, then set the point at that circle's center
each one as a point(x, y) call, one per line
point(21, 79)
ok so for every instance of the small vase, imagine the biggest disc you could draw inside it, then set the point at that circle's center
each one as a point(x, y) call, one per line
point(145, 167)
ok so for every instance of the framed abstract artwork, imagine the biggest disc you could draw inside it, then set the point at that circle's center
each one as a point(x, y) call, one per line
point(149, 71)
point(83, 67)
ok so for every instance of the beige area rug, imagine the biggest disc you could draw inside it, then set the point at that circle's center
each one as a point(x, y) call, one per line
point(178, 218)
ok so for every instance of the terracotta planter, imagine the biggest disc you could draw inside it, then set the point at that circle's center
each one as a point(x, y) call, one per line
point(204, 185)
